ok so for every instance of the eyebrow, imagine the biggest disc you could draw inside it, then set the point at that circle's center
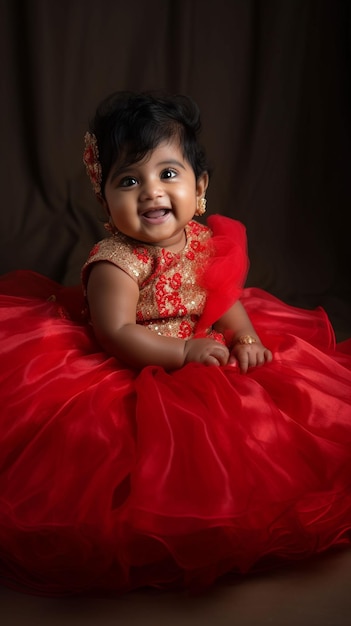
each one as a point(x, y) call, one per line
point(119, 170)
point(171, 162)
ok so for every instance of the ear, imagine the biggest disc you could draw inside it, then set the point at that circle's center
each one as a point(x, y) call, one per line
point(201, 185)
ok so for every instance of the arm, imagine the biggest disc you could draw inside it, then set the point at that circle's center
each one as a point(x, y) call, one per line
point(113, 298)
point(234, 324)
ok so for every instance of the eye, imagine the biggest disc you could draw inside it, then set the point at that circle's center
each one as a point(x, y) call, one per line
point(168, 173)
point(127, 181)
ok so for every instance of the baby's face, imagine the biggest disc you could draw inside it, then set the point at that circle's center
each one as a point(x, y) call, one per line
point(152, 200)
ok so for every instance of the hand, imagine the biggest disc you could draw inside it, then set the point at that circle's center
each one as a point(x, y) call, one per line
point(249, 355)
point(206, 351)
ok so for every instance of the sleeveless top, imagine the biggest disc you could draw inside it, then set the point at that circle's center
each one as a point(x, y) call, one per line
point(172, 296)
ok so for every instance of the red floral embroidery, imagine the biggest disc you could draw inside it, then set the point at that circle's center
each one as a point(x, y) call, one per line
point(142, 254)
point(175, 281)
point(167, 257)
point(216, 336)
point(167, 297)
point(169, 304)
point(182, 310)
point(190, 255)
point(161, 287)
point(92, 163)
point(196, 228)
point(185, 330)
point(197, 246)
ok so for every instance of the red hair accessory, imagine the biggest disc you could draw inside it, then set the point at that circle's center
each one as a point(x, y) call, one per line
point(92, 163)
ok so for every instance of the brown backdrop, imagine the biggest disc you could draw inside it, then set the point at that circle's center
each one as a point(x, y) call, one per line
point(272, 79)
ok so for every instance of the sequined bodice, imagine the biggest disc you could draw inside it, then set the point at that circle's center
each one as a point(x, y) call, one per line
point(171, 299)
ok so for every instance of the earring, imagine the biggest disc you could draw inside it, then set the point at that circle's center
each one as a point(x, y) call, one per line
point(110, 227)
point(201, 206)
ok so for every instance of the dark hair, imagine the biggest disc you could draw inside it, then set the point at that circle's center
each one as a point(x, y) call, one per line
point(128, 125)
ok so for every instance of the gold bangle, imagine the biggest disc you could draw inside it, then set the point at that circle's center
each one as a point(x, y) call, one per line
point(246, 340)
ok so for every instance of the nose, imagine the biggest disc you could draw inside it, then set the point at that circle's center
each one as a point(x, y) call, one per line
point(151, 189)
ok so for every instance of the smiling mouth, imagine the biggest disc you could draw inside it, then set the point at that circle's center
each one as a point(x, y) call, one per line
point(156, 215)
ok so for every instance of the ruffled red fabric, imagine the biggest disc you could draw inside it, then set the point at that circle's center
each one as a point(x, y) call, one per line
point(112, 478)
point(226, 271)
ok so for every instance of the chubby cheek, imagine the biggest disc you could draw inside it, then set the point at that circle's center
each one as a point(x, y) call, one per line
point(123, 218)
point(186, 197)
point(120, 210)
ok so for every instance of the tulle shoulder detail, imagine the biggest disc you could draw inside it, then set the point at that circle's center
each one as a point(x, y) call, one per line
point(226, 271)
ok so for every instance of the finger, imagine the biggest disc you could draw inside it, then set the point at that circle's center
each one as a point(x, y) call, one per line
point(221, 353)
point(268, 356)
point(211, 360)
point(244, 361)
point(253, 357)
point(260, 359)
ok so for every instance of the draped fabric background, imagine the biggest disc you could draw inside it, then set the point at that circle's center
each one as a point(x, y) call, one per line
point(272, 79)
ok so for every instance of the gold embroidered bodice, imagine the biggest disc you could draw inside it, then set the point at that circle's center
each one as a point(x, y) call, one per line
point(171, 299)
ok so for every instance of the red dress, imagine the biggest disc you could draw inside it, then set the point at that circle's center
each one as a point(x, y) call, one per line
point(113, 478)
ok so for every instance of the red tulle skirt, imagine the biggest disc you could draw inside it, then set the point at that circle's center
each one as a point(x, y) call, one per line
point(113, 479)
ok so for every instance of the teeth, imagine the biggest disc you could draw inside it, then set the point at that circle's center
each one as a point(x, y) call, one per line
point(155, 213)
